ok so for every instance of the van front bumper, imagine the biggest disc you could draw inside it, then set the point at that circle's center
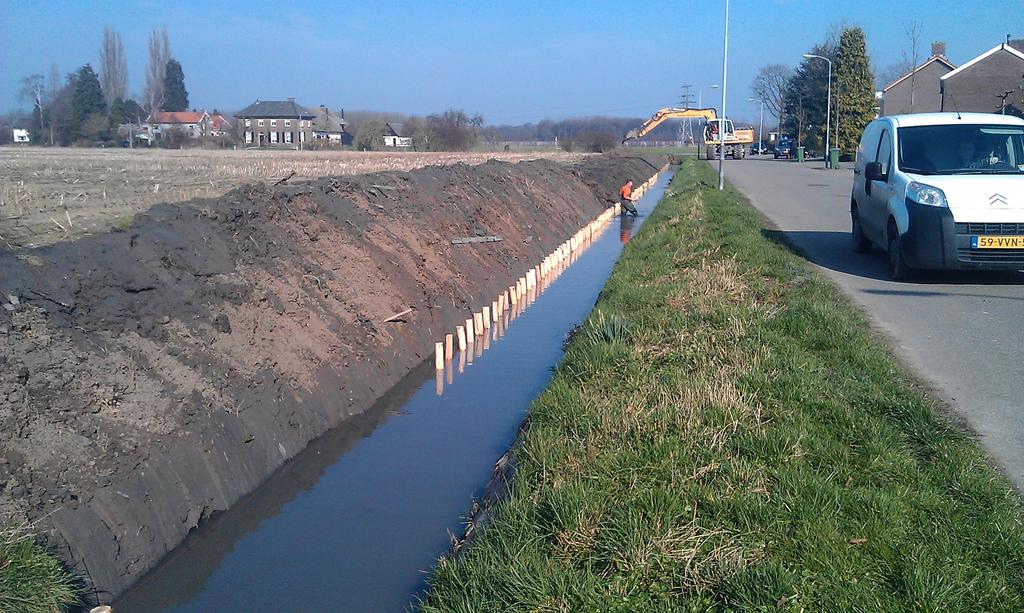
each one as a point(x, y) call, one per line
point(935, 241)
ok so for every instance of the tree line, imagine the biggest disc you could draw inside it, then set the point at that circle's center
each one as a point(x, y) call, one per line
point(87, 108)
point(798, 97)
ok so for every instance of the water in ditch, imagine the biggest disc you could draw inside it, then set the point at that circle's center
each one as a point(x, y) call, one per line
point(357, 520)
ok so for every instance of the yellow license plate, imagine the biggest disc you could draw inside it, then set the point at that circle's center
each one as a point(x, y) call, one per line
point(997, 242)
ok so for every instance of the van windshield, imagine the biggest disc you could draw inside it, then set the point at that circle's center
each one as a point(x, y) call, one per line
point(962, 149)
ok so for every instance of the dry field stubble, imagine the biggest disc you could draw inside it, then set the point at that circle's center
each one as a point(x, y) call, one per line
point(47, 195)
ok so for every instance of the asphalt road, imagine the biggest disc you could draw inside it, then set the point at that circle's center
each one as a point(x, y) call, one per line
point(961, 332)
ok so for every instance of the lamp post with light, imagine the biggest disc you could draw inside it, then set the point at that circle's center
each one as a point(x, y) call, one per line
point(760, 125)
point(828, 104)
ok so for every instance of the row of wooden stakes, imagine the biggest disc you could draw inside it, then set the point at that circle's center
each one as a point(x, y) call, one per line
point(517, 296)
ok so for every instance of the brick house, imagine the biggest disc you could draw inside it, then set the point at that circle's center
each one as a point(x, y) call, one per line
point(275, 123)
point(920, 90)
point(191, 124)
point(989, 83)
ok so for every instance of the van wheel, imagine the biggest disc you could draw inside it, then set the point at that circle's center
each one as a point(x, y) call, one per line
point(898, 268)
point(861, 244)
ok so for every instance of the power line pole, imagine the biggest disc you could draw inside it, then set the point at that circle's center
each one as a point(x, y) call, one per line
point(686, 130)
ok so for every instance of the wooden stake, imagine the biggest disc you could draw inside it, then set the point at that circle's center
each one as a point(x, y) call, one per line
point(486, 317)
point(469, 331)
point(449, 341)
point(494, 310)
point(439, 356)
point(461, 332)
point(478, 324)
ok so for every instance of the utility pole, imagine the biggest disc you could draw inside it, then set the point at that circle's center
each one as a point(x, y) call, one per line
point(723, 121)
point(686, 136)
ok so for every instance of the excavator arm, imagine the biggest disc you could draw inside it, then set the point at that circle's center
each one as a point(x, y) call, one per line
point(670, 113)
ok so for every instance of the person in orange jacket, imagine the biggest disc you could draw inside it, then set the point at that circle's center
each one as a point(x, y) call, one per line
point(626, 193)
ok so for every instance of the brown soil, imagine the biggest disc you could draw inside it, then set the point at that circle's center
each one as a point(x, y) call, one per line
point(152, 376)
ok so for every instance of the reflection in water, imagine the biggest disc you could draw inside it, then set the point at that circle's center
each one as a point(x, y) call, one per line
point(626, 228)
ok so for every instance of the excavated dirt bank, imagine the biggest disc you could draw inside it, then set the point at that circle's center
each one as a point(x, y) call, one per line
point(152, 376)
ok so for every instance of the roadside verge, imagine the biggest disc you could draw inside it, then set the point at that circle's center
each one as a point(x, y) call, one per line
point(724, 431)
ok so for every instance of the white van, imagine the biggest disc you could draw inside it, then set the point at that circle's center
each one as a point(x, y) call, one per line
point(941, 191)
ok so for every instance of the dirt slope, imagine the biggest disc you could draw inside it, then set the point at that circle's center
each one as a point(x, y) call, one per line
point(152, 376)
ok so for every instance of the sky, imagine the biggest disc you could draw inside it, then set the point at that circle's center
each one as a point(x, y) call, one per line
point(512, 62)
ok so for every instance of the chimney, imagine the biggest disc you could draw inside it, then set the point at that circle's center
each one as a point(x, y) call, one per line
point(939, 48)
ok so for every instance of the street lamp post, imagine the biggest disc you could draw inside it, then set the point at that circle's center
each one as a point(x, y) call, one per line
point(700, 95)
point(760, 126)
point(725, 85)
point(828, 104)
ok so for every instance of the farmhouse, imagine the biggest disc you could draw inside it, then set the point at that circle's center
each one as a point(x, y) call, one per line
point(275, 123)
point(396, 136)
point(191, 124)
point(20, 135)
point(993, 82)
point(329, 127)
point(920, 90)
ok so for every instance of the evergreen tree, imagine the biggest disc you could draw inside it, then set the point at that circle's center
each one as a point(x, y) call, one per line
point(854, 92)
point(86, 103)
point(175, 94)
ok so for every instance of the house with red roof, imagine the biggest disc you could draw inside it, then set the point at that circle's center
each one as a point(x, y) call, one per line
point(190, 124)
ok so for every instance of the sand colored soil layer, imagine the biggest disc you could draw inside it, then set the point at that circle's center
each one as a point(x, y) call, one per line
point(152, 376)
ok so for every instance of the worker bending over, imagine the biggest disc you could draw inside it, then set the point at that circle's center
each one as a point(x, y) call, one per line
point(626, 194)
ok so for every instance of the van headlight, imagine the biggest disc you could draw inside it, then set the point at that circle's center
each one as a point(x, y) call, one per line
point(926, 194)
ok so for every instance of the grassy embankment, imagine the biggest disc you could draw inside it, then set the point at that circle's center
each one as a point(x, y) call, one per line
point(726, 433)
point(31, 580)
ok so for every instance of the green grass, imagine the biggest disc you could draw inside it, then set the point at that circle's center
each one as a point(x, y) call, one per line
point(727, 434)
point(32, 580)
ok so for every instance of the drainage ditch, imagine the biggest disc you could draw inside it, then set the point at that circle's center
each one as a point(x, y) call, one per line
point(358, 519)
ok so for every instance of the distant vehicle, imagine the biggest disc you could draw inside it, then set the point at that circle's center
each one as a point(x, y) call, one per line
point(941, 191)
point(784, 149)
point(759, 148)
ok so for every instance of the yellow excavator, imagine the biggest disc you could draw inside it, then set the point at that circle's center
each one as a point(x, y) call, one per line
point(735, 141)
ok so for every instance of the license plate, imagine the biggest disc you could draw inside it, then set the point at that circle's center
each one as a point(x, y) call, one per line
point(997, 242)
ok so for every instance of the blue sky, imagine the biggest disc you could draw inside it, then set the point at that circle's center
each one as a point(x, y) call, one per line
point(513, 62)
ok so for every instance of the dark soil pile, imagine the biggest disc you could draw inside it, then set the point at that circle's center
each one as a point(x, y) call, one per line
point(151, 376)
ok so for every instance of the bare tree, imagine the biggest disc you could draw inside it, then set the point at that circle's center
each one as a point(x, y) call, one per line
point(770, 86)
point(113, 69)
point(159, 54)
point(913, 33)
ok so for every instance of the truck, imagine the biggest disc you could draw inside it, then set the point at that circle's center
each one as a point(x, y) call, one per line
point(736, 140)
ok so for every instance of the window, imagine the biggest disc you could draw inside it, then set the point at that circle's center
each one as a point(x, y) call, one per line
point(273, 137)
point(260, 123)
point(287, 123)
point(302, 137)
point(884, 154)
point(288, 136)
point(248, 134)
point(951, 149)
point(248, 123)
point(273, 123)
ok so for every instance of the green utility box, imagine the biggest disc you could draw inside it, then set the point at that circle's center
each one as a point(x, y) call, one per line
point(800, 154)
point(833, 158)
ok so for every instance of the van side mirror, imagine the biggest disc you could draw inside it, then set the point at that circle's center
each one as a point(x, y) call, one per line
point(873, 172)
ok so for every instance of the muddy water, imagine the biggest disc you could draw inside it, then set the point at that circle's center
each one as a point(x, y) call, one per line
point(356, 521)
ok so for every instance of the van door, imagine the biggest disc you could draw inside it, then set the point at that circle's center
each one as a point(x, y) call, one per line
point(879, 192)
point(865, 153)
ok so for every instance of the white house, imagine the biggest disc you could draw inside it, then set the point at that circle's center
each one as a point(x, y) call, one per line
point(20, 135)
point(396, 136)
